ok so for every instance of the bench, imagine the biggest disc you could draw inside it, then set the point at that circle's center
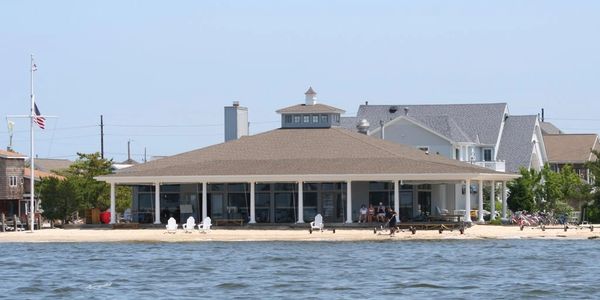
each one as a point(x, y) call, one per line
point(229, 221)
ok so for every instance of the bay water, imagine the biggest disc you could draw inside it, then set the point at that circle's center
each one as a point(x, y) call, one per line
point(452, 269)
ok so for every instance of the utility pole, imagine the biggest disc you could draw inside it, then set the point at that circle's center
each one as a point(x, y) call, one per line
point(145, 155)
point(101, 137)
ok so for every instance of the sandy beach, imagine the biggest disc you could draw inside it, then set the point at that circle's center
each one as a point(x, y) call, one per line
point(341, 234)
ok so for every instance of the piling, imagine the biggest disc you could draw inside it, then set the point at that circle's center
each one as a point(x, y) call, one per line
point(3, 220)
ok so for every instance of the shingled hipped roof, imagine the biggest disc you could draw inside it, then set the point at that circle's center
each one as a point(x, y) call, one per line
point(306, 109)
point(301, 152)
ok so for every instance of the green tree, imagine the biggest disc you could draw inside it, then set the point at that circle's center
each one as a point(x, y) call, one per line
point(94, 194)
point(525, 190)
point(593, 208)
point(59, 198)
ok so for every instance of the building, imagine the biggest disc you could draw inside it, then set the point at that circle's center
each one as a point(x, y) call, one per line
point(575, 150)
point(12, 165)
point(310, 165)
point(482, 134)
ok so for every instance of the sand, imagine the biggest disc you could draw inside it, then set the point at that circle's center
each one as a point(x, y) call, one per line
point(156, 235)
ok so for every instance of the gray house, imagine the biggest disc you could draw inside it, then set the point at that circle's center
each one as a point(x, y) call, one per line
point(485, 135)
point(482, 134)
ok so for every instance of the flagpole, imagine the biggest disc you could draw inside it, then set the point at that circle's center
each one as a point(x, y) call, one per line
point(32, 153)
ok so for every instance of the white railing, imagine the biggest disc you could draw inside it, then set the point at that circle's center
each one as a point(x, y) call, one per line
point(499, 166)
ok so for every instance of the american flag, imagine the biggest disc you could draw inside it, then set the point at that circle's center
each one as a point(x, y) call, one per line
point(37, 118)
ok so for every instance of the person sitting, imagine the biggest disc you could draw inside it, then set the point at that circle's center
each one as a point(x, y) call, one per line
point(381, 213)
point(370, 213)
point(363, 214)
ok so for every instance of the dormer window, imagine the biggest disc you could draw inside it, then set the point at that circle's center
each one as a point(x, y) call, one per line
point(306, 119)
point(311, 114)
point(288, 119)
point(324, 119)
point(315, 118)
point(296, 119)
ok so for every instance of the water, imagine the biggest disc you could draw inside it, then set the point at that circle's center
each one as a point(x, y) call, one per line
point(496, 269)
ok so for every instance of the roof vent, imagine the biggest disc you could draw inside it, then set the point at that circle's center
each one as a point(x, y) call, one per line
point(406, 111)
point(393, 109)
point(363, 126)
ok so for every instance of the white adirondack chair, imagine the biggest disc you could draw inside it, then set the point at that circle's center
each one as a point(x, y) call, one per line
point(204, 227)
point(189, 225)
point(317, 223)
point(171, 225)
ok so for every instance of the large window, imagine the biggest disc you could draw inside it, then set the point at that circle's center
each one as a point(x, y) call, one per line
point(315, 118)
point(306, 119)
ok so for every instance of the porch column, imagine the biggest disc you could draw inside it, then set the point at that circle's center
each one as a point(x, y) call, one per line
point(300, 202)
point(504, 196)
point(204, 200)
point(157, 203)
point(480, 206)
point(252, 204)
point(468, 200)
point(113, 215)
point(397, 199)
point(493, 201)
point(348, 201)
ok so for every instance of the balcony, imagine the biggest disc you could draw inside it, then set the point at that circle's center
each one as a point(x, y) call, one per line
point(499, 166)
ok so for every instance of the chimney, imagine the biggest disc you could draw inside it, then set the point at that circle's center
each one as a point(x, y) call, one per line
point(311, 96)
point(542, 115)
point(236, 121)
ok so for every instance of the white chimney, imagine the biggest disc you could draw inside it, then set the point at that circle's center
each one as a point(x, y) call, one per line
point(311, 96)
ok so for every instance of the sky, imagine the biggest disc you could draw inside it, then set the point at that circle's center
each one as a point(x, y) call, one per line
point(160, 72)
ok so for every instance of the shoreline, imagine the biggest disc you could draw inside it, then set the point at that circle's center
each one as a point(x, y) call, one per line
point(477, 232)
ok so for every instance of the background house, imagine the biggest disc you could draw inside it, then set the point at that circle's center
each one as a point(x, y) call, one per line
point(483, 134)
point(12, 165)
point(572, 149)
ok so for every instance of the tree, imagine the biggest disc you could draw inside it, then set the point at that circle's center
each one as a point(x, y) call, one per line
point(525, 190)
point(593, 208)
point(94, 194)
point(59, 198)
point(79, 190)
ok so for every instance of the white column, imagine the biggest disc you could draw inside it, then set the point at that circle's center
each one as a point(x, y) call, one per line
point(252, 204)
point(504, 196)
point(157, 203)
point(300, 202)
point(468, 201)
point(480, 206)
point(493, 200)
point(348, 201)
point(204, 200)
point(397, 199)
point(113, 214)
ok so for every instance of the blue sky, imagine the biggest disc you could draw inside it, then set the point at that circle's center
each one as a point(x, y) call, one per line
point(174, 65)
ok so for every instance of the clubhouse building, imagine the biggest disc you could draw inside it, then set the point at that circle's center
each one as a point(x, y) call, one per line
point(308, 166)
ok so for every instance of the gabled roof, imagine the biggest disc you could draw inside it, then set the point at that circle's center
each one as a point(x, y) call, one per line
point(447, 127)
point(516, 144)
point(52, 164)
point(317, 108)
point(10, 154)
point(328, 151)
point(571, 148)
point(40, 174)
point(476, 121)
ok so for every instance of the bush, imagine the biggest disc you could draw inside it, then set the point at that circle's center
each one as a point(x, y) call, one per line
point(496, 221)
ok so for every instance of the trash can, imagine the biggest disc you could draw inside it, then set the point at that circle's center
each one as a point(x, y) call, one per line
point(105, 217)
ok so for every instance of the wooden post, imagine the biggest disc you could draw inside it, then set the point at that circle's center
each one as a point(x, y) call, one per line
point(15, 221)
point(3, 220)
point(39, 222)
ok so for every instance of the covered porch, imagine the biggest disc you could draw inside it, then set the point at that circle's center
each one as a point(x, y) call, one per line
point(289, 199)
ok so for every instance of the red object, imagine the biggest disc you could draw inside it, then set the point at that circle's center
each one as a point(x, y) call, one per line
point(105, 217)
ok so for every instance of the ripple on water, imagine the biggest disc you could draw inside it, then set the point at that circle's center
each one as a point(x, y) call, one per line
point(441, 269)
